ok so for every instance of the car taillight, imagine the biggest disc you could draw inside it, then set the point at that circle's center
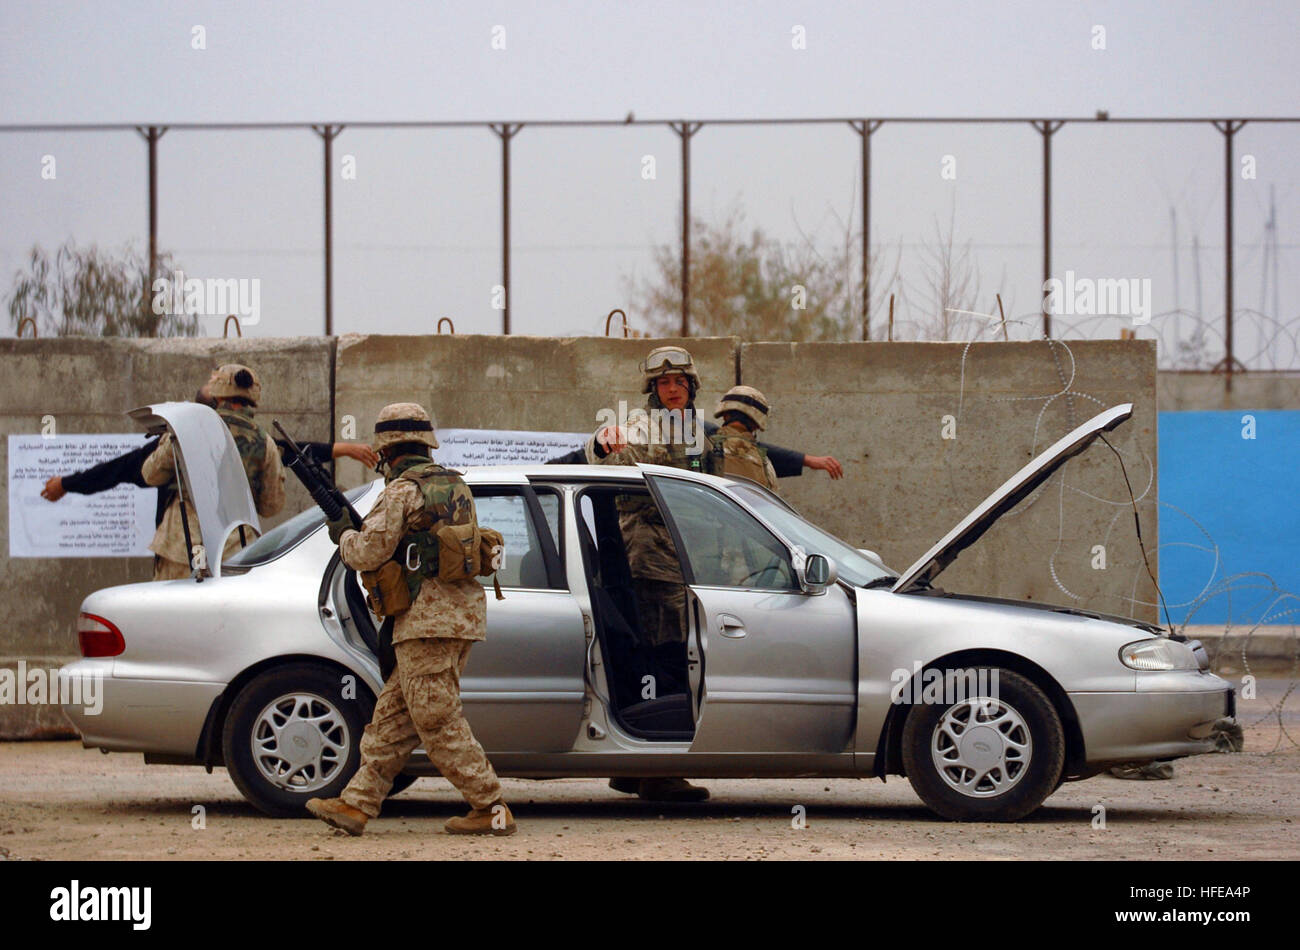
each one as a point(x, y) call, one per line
point(99, 637)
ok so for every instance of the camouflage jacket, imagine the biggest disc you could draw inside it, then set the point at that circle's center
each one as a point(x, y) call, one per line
point(261, 458)
point(654, 439)
point(738, 455)
point(453, 609)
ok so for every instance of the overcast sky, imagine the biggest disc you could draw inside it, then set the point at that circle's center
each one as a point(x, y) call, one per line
point(417, 232)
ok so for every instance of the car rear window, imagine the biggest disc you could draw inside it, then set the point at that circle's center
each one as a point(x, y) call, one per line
point(284, 537)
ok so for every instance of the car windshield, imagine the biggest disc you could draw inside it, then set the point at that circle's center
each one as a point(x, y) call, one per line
point(283, 537)
point(854, 567)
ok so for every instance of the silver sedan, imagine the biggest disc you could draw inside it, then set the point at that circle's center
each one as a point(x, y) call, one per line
point(805, 656)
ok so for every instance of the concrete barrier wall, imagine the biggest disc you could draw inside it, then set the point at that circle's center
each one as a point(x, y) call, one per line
point(1208, 392)
point(539, 384)
point(878, 407)
point(87, 385)
point(882, 409)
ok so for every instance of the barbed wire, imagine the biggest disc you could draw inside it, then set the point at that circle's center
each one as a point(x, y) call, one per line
point(1282, 605)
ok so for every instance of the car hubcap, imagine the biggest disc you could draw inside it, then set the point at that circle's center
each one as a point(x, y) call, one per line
point(300, 741)
point(981, 747)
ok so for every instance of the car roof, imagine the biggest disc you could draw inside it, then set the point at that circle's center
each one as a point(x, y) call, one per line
point(540, 471)
point(478, 474)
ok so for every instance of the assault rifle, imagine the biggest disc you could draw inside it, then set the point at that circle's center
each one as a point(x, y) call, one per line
point(316, 480)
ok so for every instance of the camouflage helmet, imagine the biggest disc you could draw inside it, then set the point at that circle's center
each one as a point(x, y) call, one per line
point(747, 401)
point(234, 380)
point(663, 360)
point(403, 422)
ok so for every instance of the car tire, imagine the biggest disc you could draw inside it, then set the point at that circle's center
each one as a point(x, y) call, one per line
point(957, 770)
point(291, 735)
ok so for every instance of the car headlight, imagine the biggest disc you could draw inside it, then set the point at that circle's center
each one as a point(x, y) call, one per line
point(1158, 654)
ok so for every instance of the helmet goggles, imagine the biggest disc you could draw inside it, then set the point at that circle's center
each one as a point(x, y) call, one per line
point(667, 360)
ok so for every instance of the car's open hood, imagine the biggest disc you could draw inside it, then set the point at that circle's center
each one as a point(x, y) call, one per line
point(1013, 491)
point(212, 474)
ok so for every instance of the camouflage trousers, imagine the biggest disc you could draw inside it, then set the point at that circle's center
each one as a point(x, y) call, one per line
point(661, 608)
point(165, 569)
point(661, 651)
point(420, 705)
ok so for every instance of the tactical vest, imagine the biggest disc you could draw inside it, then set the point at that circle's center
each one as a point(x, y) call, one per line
point(679, 457)
point(447, 500)
point(739, 466)
point(250, 440)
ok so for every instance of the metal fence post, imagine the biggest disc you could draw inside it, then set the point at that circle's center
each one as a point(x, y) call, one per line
point(328, 134)
point(864, 128)
point(151, 135)
point(505, 131)
point(1229, 364)
point(1048, 128)
point(685, 130)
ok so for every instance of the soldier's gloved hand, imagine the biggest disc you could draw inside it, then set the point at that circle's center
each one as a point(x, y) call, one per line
point(336, 528)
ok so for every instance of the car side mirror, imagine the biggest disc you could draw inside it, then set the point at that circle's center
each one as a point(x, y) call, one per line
point(818, 573)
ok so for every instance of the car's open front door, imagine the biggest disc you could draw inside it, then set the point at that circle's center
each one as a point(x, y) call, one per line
point(775, 667)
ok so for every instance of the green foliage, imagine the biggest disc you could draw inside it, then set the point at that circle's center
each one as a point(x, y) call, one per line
point(748, 285)
point(84, 291)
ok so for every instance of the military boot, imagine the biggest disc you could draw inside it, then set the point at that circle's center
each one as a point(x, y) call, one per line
point(337, 813)
point(1151, 770)
point(493, 820)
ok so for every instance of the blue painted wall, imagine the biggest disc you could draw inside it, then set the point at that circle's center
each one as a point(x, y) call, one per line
point(1244, 493)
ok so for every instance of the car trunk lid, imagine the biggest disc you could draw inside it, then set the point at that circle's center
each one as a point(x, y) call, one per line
point(210, 471)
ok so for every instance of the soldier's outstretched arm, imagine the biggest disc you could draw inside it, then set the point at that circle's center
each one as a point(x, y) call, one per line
point(383, 527)
point(787, 463)
point(123, 470)
point(599, 449)
point(576, 457)
point(620, 446)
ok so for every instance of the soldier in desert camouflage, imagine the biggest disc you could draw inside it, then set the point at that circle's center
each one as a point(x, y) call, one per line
point(668, 433)
point(420, 704)
point(236, 392)
point(743, 411)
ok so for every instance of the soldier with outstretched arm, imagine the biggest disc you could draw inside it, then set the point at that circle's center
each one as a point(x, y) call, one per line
point(127, 469)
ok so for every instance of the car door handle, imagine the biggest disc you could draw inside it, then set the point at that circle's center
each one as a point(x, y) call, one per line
point(730, 626)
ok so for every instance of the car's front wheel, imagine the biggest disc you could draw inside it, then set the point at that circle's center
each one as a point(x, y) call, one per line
point(291, 735)
point(991, 756)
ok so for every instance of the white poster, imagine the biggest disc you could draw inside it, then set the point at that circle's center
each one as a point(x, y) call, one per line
point(114, 523)
point(461, 448)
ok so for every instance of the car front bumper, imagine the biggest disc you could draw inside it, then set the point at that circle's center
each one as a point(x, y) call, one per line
point(1169, 716)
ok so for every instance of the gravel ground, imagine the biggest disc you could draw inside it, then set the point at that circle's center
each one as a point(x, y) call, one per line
point(59, 801)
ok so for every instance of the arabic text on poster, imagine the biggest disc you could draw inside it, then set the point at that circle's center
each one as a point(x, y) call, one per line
point(114, 523)
point(460, 448)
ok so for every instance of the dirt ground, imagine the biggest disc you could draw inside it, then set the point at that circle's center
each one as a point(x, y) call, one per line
point(59, 801)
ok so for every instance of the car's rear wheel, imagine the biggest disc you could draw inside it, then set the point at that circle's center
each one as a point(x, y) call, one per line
point(291, 735)
point(992, 756)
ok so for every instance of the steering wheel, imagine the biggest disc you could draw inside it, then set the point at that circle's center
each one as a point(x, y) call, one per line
point(772, 565)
